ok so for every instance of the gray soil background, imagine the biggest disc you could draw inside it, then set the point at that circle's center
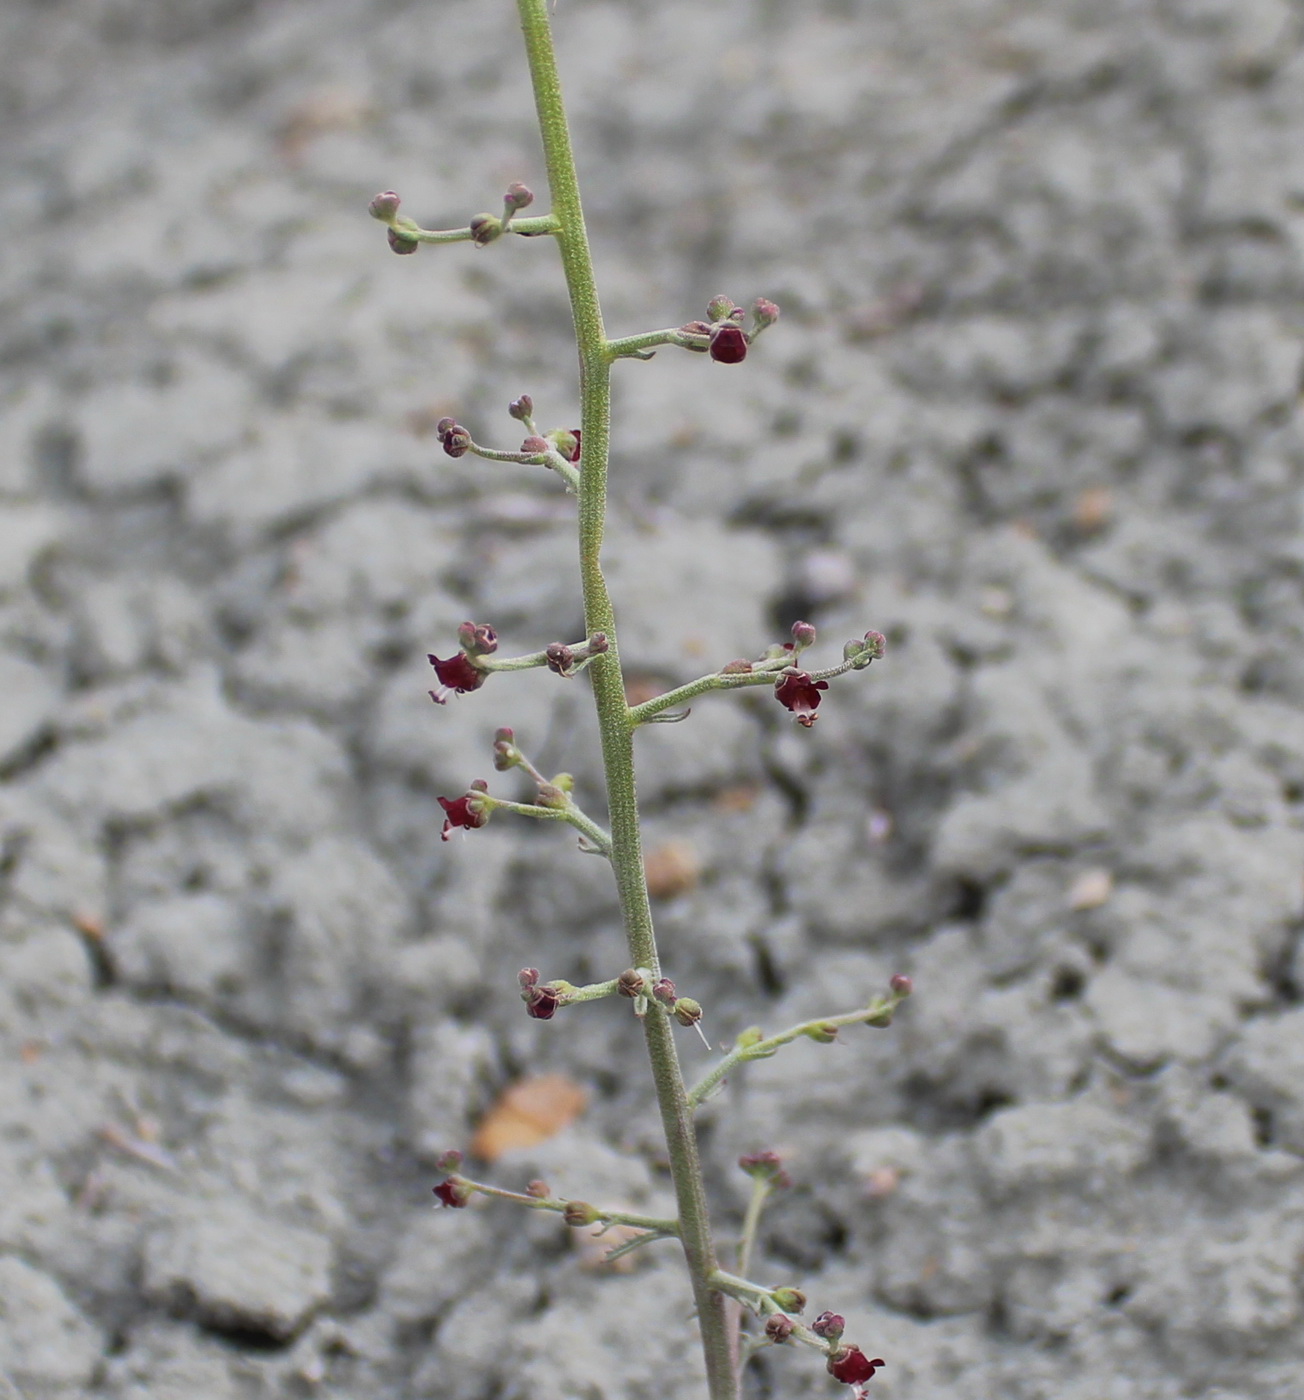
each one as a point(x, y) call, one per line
point(1032, 411)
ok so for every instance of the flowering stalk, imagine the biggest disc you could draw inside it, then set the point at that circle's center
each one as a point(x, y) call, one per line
point(580, 457)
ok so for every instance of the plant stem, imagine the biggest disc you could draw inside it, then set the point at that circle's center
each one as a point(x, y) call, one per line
point(609, 696)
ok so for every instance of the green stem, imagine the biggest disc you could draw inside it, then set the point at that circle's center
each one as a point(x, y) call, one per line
point(529, 228)
point(823, 1028)
point(761, 1189)
point(762, 673)
point(609, 696)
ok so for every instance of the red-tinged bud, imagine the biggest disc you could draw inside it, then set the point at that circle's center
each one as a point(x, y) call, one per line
point(766, 1166)
point(518, 197)
point(477, 638)
point(598, 644)
point(448, 1161)
point(538, 1189)
point(798, 693)
point(779, 1328)
point(687, 1011)
point(521, 409)
point(741, 667)
point(791, 1300)
point(728, 344)
point(536, 446)
point(541, 1002)
point(457, 441)
point(696, 328)
point(861, 651)
point(528, 977)
point(506, 754)
point(581, 1213)
point(567, 442)
point(445, 426)
point(453, 1193)
point(561, 659)
point(462, 812)
point(764, 313)
point(851, 1366)
point(829, 1325)
point(479, 785)
point(824, 1034)
point(901, 985)
point(485, 228)
point(400, 244)
point(720, 308)
point(630, 983)
point(803, 634)
point(384, 207)
point(664, 992)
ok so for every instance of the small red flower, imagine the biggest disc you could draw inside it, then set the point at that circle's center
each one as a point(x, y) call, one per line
point(458, 673)
point(452, 1193)
point(728, 343)
point(798, 693)
point(541, 1002)
point(575, 451)
point(461, 811)
point(852, 1367)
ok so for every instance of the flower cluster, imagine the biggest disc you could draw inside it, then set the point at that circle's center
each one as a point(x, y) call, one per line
point(722, 336)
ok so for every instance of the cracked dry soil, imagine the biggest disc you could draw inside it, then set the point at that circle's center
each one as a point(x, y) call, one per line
point(1033, 411)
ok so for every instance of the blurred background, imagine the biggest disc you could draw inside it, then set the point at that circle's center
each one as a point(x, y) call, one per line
point(1032, 411)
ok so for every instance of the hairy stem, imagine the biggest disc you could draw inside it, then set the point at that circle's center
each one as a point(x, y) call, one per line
point(609, 695)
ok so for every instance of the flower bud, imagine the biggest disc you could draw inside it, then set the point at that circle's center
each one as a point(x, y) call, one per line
point(448, 1161)
point(728, 344)
point(581, 1213)
point(506, 754)
point(561, 659)
point(518, 197)
point(766, 1166)
point(541, 1003)
point(803, 634)
point(551, 795)
point(536, 446)
point(598, 644)
point(764, 313)
point(528, 977)
point(753, 1035)
point(741, 667)
point(457, 441)
point(399, 244)
point(696, 328)
point(829, 1325)
point(630, 983)
point(485, 228)
point(719, 308)
point(538, 1189)
point(901, 985)
point(824, 1034)
point(779, 1328)
point(791, 1300)
point(453, 1193)
point(384, 207)
point(567, 442)
point(882, 1017)
point(687, 1011)
point(477, 638)
point(522, 408)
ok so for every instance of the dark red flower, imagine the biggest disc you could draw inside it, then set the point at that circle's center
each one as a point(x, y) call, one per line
point(458, 673)
point(728, 343)
point(541, 1002)
point(852, 1367)
point(461, 811)
point(575, 451)
point(452, 1193)
point(798, 693)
